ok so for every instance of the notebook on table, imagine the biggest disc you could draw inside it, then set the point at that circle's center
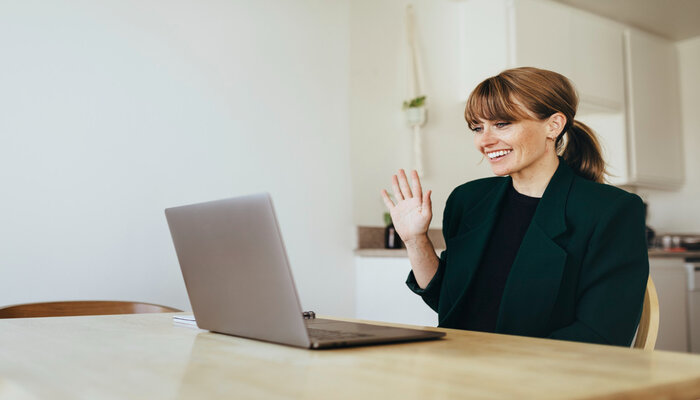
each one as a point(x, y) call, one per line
point(239, 281)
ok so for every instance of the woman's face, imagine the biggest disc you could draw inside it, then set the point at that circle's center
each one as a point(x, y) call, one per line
point(515, 147)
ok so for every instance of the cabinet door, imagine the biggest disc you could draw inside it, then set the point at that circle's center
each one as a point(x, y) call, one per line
point(483, 42)
point(653, 114)
point(382, 294)
point(597, 50)
point(542, 36)
point(670, 278)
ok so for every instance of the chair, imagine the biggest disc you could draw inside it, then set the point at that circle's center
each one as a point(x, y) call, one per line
point(73, 308)
point(649, 323)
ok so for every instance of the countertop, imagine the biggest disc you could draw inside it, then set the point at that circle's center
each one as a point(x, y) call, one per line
point(653, 253)
point(673, 254)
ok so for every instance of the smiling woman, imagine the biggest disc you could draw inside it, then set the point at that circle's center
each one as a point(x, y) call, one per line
point(544, 249)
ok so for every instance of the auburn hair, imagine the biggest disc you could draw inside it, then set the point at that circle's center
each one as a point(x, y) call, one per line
point(528, 93)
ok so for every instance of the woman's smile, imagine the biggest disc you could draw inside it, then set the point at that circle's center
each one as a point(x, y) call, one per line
point(497, 155)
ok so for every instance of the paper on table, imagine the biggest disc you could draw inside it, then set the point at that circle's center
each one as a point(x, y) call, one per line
point(185, 319)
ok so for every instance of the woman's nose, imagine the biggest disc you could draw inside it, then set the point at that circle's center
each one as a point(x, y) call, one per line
point(487, 137)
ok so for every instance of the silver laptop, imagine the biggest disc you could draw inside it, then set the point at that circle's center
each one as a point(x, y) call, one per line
point(239, 282)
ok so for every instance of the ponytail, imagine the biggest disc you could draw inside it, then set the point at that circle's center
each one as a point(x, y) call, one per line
point(582, 152)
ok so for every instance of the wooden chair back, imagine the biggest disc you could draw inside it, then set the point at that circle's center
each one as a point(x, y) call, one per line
point(74, 308)
point(649, 323)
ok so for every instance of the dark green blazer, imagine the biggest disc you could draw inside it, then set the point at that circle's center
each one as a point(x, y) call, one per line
point(580, 273)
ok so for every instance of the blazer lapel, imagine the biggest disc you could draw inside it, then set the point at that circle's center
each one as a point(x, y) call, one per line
point(535, 277)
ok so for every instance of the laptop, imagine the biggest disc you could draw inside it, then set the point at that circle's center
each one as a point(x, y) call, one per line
point(239, 282)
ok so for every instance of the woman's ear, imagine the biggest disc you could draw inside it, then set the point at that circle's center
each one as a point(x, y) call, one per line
point(555, 124)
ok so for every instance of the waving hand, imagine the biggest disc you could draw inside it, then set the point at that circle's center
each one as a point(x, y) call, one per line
point(413, 210)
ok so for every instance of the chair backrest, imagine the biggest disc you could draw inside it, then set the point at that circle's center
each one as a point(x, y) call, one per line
point(73, 308)
point(649, 323)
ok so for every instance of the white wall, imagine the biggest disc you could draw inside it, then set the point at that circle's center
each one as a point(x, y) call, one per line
point(115, 110)
point(381, 141)
point(677, 211)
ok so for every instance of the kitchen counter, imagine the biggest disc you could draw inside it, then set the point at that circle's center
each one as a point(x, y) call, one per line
point(371, 243)
point(660, 253)
point(653, 253)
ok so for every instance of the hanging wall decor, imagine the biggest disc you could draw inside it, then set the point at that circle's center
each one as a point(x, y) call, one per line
point(415, 107)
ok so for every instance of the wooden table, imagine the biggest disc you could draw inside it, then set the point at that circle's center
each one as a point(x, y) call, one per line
point(147, 356)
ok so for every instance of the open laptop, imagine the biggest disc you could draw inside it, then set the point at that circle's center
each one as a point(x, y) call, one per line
point(239, 282)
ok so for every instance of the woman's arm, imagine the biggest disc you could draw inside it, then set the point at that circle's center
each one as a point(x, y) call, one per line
point(613, 278)
point(424, 260)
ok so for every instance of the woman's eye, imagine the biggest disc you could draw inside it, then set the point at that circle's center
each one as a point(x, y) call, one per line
point(477, 129)
point(502, 124)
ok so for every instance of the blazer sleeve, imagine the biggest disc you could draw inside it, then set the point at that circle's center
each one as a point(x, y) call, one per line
point(431, 293)
point(613, 277)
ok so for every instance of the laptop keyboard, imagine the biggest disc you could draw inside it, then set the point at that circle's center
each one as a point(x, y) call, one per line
point(324, 334)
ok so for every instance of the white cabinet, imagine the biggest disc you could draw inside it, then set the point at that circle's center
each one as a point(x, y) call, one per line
point(643, 146)
point(670, 278)
point(382, 294)
point(653, 111)
point(598, 63)
point(627, 80)
point(501, 34)
point(583, 47)
point(542, 37)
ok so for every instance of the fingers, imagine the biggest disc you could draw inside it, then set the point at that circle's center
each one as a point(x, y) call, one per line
point(387, 201)
point(402, 190)
point(403, 184)
point(427, 202)
point(415, 184)
point(395, 188)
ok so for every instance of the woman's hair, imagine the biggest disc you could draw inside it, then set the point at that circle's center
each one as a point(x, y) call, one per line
point(521, 93)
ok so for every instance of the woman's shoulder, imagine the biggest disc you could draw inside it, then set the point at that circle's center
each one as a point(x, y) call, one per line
point(600, 198)
point(603, 193)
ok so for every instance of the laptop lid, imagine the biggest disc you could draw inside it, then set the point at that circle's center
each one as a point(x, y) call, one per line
point(236, 270)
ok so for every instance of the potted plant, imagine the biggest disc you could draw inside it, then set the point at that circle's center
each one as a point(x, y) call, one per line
point(415, 111)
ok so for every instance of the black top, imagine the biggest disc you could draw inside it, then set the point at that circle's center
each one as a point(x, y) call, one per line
point(486, 289)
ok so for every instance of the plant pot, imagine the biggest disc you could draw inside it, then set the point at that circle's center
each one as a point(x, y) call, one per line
point(416, 116)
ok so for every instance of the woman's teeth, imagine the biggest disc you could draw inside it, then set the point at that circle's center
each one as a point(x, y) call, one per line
point(496, 154)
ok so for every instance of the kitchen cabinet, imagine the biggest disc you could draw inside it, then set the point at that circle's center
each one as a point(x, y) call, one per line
point(382, 294)
point(598, 63)
point(535, 45)
point(670, 278)
point(627, 79)
point(653, 111)
point(509, 33)
point(643, 146)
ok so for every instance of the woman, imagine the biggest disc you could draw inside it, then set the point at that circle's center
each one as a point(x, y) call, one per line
point(543, 250)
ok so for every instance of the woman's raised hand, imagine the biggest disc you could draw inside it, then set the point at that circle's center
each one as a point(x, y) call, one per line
point(413, 210)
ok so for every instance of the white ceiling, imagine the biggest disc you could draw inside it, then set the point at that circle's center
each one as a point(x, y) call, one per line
point(673, 19)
